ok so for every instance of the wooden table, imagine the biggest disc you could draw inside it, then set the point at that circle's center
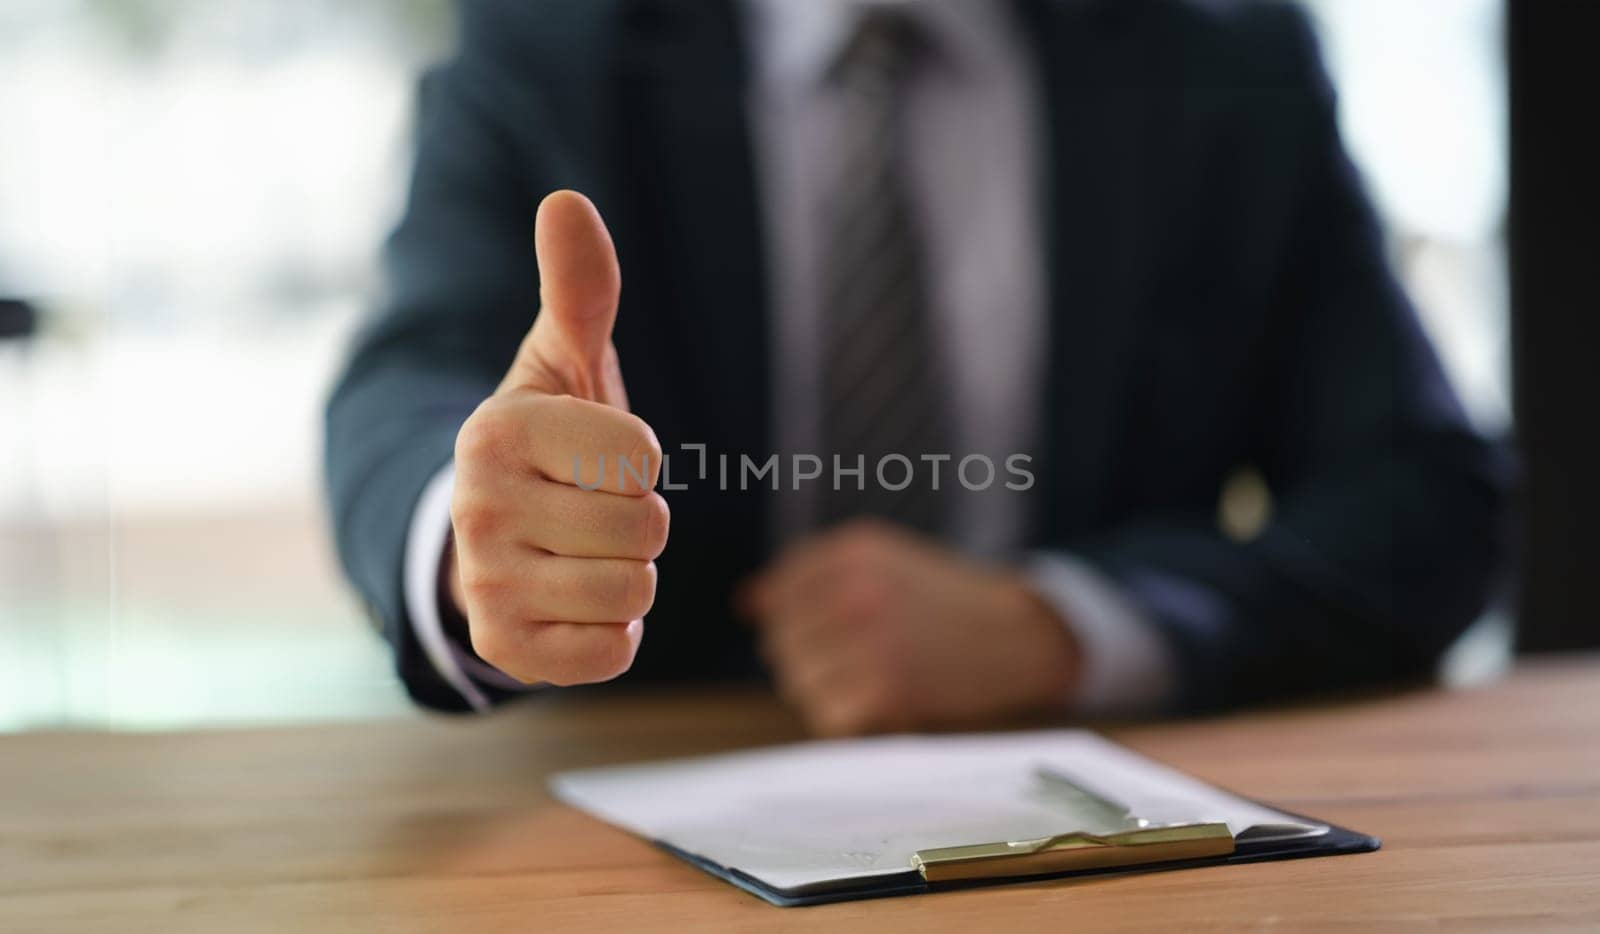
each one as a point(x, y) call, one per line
point(1488, 801)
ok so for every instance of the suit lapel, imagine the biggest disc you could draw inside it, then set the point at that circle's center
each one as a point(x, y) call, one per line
point(1100, 106)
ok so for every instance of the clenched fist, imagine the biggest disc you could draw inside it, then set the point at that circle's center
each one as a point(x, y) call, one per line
point(869, 628)
point(554, 579)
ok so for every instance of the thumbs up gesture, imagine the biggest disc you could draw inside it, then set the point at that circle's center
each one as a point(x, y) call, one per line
point(555, 579)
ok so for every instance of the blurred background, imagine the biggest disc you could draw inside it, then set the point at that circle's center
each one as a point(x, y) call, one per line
point(192, 192)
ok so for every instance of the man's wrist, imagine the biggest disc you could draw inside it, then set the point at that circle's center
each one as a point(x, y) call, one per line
point(1126, 666)
point(426, 540)
point(1053, 658)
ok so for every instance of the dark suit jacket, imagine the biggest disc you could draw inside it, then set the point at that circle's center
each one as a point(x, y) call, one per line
point(1219, 296)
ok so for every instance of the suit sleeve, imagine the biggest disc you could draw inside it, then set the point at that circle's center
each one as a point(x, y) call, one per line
point(1388, 529)
point(461, 289)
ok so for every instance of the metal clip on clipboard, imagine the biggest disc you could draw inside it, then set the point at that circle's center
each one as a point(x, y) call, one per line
point(1135, 842)
point(1073, 851)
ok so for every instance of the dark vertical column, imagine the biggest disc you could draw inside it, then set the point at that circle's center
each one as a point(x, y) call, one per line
point(17, 319)
point(1555, 301)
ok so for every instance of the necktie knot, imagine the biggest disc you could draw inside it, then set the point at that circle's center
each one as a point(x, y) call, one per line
point(885, 46)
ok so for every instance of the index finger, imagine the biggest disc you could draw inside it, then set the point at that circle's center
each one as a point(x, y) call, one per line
point(566, 440)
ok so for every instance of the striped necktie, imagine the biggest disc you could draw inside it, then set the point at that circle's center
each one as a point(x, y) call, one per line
point(882, 385)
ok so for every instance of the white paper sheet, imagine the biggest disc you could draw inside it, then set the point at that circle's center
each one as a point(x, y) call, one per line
point(804, 816)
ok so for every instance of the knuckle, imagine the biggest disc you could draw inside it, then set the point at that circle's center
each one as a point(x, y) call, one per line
point(492, 645)
point(643, 590)
point(630, 590)
point(486, 437)
point(612, 654)
point(656, 524)
point(863, 597)
point(600, 653)
point(483, 587)
point(645, 450)
point(473, 517)
point(862, 545)
point(544, 408)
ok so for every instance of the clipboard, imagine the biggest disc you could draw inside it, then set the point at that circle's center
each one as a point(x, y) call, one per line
point(1337, 841)
point(815, 823)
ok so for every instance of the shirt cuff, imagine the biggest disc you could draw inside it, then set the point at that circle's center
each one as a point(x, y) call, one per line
point(425, 549)
point(1127, 665)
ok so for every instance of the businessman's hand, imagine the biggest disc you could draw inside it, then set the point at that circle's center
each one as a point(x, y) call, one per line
point(868, 628)
point(555, 580)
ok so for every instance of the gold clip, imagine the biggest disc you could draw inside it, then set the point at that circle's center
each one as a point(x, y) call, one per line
point(1073, 851)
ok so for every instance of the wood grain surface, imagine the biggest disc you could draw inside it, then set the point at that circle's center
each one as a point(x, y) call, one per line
point(1487, 799)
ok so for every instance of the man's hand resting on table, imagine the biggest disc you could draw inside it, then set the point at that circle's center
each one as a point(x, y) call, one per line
point(555, 580)
point(869, 628)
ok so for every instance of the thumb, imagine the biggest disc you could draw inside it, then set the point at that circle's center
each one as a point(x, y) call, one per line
point(579, 286)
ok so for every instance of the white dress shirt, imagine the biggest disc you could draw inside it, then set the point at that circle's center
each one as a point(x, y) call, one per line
point(974, 171)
